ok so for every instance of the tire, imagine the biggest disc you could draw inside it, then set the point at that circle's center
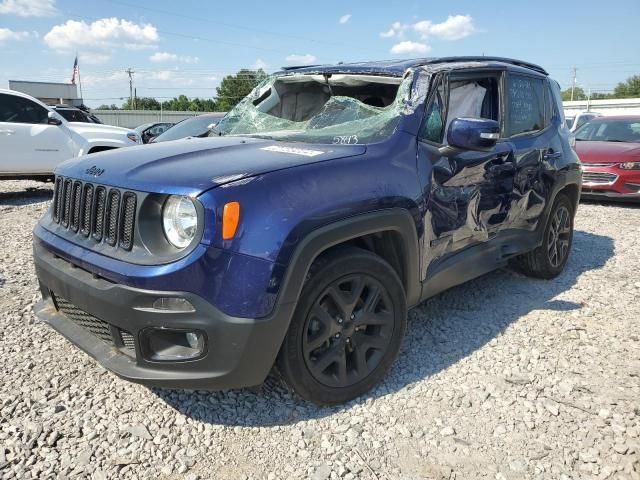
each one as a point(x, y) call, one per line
point(549, 259)
point(347, 328)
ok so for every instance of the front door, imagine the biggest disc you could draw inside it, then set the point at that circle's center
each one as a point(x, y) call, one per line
point(28, 143)
point(469, 192)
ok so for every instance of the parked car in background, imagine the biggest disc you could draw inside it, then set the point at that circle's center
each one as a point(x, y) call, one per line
point(574, 122)
point(74, 114)
point(34, 138)
point(149, 131)
point(331, 200)
point(609, 149)
point(199, 126)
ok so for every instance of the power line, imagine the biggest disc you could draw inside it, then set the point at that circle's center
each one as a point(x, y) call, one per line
point(232, 25)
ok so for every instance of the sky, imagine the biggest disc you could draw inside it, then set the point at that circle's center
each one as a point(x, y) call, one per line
point(187, 47)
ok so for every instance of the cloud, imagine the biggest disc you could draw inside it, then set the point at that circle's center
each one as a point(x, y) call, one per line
point(409, 47)
point(397, 30)
point(105, 34)
point(344, 18)
point(301, 59)
point(11, 35)
point(259, 63)
point(160, 57)
point(28, 8)
point(455, 27)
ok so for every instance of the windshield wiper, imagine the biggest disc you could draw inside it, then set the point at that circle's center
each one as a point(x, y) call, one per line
point(616, 140)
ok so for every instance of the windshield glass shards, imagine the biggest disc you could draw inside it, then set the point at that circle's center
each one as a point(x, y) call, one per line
point(338, 109)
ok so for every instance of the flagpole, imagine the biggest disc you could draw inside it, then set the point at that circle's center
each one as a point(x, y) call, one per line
point(80, 82)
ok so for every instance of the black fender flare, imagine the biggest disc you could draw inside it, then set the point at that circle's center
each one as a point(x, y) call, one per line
point(317, 241)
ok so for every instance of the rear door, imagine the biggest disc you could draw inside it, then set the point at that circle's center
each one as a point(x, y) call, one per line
point(530, 127)
point(27, 142)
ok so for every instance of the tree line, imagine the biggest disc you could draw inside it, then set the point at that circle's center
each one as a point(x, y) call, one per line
point(630, 88)
point(231, 90)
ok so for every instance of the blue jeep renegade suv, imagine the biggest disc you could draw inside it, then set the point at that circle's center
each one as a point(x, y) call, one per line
point(323, 206)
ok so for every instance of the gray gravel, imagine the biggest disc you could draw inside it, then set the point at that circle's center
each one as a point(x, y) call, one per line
point(502, 378)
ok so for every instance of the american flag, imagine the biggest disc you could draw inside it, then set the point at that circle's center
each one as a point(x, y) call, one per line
point(75, 71)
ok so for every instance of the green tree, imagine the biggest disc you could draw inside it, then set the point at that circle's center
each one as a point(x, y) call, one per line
point(142, 103)
point(234, 88)
point(630, 88)
point(578, 94)
point(104, 106)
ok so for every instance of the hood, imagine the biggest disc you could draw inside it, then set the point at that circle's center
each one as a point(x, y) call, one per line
point(607, 152)
point(191, 166)
point(97, 128)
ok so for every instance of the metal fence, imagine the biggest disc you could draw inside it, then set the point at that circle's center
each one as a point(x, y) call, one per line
point(134, 118)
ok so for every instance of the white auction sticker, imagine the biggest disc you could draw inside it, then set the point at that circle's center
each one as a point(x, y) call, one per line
point(294, 151)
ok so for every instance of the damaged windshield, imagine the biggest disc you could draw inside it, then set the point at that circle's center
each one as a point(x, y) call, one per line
point(337, 108)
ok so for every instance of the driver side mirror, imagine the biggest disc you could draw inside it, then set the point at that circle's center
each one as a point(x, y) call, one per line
point(473, 133)
point(52, 119)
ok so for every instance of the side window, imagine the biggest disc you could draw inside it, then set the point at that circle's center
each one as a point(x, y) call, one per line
point(525, 104)
point(21, 110)
point(432, 126)
point(550, 110)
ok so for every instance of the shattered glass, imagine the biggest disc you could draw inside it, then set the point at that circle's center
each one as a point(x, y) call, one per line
point(340, 120)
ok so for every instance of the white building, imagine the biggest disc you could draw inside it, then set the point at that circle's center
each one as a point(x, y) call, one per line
point(48, 92)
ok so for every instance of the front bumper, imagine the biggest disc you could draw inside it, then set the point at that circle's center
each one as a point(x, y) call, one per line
point(610, 182)
point(239, 351)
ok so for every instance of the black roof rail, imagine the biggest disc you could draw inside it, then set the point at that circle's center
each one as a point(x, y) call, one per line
point(512, 61)
point(297, 67)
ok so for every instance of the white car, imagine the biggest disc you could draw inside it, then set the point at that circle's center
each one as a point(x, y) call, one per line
point(34, 138)
point(576, 120)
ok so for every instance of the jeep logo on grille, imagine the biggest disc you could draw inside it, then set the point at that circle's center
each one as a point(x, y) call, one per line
point(95, 171)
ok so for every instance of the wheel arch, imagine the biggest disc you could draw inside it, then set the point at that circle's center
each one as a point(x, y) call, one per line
point(390, 233)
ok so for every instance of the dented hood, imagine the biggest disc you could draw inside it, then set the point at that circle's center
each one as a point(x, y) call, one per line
point(191, 166)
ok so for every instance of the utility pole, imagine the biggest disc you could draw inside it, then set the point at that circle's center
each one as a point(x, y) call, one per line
point(131, 72)
point(573, 84)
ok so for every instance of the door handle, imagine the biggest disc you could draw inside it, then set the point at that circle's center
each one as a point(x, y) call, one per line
point(8, 132)
point(552, 155)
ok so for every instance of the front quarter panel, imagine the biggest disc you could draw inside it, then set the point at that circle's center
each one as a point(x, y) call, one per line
point(279, 209)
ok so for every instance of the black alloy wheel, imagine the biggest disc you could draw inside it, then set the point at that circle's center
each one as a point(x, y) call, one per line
point(559, 236)
point(348, 330)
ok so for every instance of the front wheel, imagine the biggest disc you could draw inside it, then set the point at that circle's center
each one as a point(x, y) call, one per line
point(347, 328)
point(548, 260)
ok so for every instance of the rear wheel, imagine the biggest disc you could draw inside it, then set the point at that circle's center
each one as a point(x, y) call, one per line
point(347, 327)
point(548, 260)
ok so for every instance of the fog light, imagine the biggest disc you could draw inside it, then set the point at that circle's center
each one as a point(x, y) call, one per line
point(166, 345)
point(174, 304)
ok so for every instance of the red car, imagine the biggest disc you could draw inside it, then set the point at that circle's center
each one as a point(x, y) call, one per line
point(609, 149)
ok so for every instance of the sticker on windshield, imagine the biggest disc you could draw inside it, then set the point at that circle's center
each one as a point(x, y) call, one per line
point(345, 139)
point(294, 151)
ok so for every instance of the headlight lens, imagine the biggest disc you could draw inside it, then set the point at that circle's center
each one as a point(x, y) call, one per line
point(133, 137)
point(630, 166)
point(179, 220)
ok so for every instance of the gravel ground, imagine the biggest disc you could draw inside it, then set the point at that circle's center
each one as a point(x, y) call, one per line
point(505, 378)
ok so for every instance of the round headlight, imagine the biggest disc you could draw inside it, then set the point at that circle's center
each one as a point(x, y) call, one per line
point(179, 220)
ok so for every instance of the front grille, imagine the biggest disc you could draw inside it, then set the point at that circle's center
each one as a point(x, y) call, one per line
point(97, 327)
point(105, 215)
point(599, 177)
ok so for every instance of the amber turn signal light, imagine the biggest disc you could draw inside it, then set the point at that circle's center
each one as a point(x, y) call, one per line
point(230, 220)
